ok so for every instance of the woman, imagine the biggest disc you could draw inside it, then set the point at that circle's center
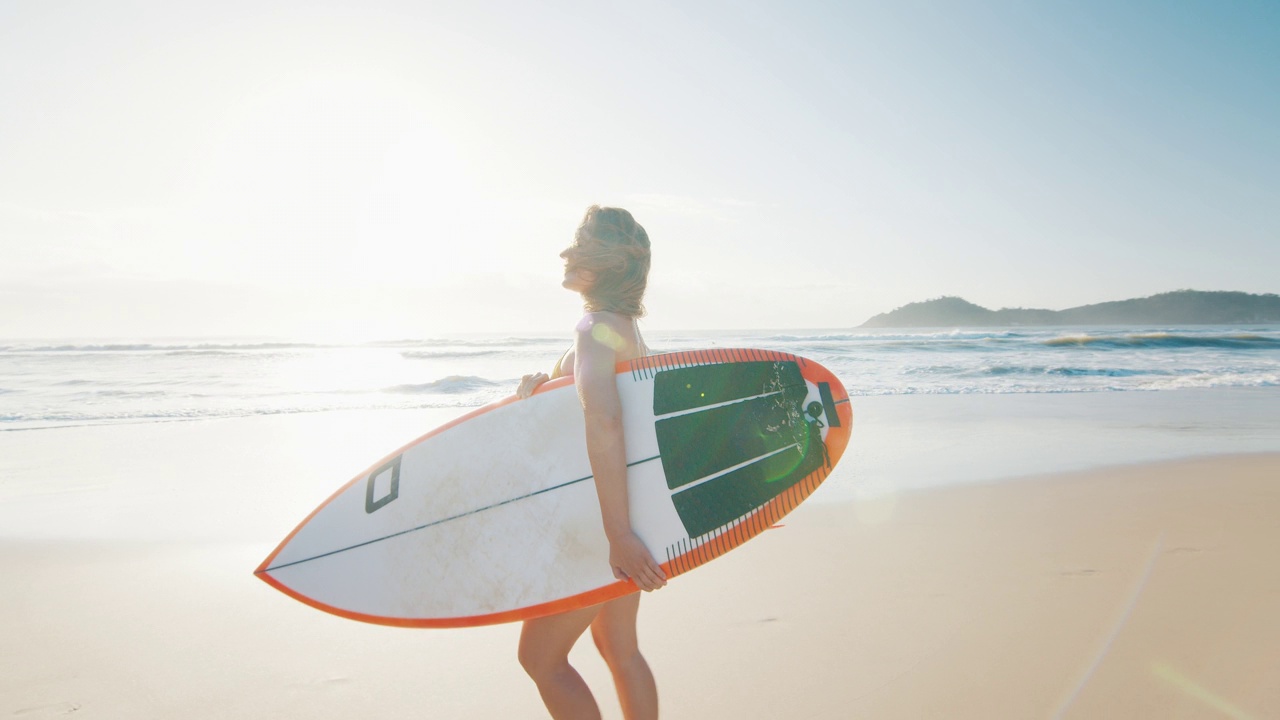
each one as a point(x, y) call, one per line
point(608, 263)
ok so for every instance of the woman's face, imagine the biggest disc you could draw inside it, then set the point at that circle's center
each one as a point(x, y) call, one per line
point(575, 278)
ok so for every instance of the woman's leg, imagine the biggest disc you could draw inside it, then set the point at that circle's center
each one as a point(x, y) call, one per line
point(544, 653)
point(614, 631)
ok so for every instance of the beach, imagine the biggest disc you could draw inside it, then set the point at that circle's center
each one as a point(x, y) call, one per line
point(1125, 590)
point(252, 252)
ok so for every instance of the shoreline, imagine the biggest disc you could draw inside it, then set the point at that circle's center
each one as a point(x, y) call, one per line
point(256, 477)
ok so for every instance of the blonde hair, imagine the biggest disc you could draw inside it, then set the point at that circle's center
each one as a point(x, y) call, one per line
point(613, 246)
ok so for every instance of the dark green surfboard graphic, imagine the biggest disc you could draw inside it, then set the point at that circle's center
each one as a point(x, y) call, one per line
point(734, 436)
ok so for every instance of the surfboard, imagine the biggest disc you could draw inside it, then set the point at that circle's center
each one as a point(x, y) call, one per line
point(494, 517)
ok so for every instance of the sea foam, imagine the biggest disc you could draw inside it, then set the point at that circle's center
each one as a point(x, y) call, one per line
point(139, 380)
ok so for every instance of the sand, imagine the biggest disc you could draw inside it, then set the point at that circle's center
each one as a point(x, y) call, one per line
point(1146, 591)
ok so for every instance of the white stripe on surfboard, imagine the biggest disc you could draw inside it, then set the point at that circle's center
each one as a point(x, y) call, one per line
point(700, 408)
point(730, 469)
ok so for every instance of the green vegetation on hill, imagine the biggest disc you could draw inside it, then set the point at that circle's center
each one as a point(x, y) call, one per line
point(1183, 307)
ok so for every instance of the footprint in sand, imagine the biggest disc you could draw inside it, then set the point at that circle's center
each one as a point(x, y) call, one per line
point(62, 708)
point(325, 682)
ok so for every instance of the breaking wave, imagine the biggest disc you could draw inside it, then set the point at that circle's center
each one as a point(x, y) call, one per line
point(48, 383)
point(452, 385)
point(1245, 341)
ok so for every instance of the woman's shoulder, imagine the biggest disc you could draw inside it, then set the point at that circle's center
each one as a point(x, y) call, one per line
point(606, 329)
point(602, 317)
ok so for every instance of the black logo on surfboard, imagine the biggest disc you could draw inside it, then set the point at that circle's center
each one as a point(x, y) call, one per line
point(387, 476)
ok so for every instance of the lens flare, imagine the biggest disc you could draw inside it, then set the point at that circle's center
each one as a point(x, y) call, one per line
point(607, 336)
point(1192, 689)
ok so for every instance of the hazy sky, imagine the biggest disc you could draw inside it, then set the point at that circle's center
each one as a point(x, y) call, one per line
point(402, 169)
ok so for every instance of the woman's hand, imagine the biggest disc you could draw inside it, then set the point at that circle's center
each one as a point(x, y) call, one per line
point(529, 383)
point(631, 560)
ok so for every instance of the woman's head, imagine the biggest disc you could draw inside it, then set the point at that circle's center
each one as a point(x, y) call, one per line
point(608, 261)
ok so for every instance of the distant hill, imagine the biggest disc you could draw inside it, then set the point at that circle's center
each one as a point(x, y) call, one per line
point(1183, 307)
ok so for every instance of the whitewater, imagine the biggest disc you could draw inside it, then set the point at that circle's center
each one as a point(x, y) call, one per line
point(48, 384)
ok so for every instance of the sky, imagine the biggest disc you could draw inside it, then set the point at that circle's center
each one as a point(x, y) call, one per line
point(406, 169)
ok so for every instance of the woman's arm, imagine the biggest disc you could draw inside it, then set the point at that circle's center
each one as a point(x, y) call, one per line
point(593, 371)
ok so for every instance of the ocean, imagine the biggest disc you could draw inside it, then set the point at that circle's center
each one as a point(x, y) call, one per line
point(237, 439)
point(47, 384)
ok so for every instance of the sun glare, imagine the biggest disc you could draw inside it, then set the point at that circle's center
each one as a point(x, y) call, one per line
point(335, 178)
